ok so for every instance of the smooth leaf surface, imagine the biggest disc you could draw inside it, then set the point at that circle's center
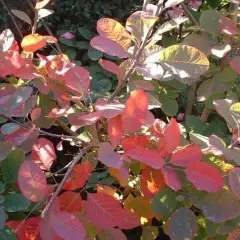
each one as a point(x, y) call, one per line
point(204, 177)
point(22, 15)
point(182, 225)
point(171, 178)
point(234, 180)
point(115, 130)
point(16, 202)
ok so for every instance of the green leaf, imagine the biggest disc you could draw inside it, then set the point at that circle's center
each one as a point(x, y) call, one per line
point(7, 234)
point(46, 104)
point(86, 33)
point(209, 21)
point(185, 62)
point(226, 228)
point(11, 164)
point(149, 233)
point(164, 202)
point(169, 106)
point(16, 202)
point(194, 124)
point(3, 218)
point(94, 54)
point(68, 42)
point(71, 53)
point(3, 120)
point(214, 3)
point(101, 86)
point(82, 45)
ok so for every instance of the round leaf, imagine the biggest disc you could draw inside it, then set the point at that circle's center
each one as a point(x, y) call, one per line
point(182, 225)
point(16, 202)
point(234, 180)
point(164, 202)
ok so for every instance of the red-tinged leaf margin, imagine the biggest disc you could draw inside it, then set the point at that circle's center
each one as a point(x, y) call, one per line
point(228, 26)
point(204, 177)
point(67, 226)
point(135, 112)
point(103, 210)
point(109, 66)
point(235, 235)
point(234, 180)
point(185, 156)
point(32, 181)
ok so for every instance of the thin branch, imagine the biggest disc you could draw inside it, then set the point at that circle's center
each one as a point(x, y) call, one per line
point(191, 98)
point(65, 128)
point(236, 7)
point(34, 28)
point(189, 14)
point(41, 131)
point(76, 159)
point(205, 114)
point(145, 3)
point(10, 14)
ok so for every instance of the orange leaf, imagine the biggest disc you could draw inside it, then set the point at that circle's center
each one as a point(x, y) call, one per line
point(80, 175)
point(116, 173)
point(152, 181)
point(135, 112)
point(33, 42)
point(70, 202)
point(115, 130)
point(134, 141)
point(50, 39)
point(108, 190)
point(42, 4)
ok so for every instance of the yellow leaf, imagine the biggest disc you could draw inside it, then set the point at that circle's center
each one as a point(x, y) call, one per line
point(149, 233)
point(33, 42)
point(113, 30)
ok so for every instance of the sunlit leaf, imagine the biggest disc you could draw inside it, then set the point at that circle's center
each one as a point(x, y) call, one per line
point(184, 61)
point(108, 46)
point(32, 181)
point(228, 26)
point(42, 13)
point(187, 155)
point(41, 4)
point(33, 42)
point(135, 112)
point(182, 225)
point(204, 177)
point(152, 181)
point(103, 210)
point(109, 66)
point(6, 40)
point(171, 178)
point(113, 30)
point(115, 130)
point(67, 226)
point(108, 157)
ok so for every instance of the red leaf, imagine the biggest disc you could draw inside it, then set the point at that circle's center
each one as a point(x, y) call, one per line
point(235, 64)
point(135, 112)
point(171, 178)
point(187, 155)
point(32, 181)
point(18, 227)
point(115, 130)
point(67, 226)
point(80, 175)
point(108, 46)
point(80, 119)
point(111, 233)
point(43, 151)
point(228, 26)
point(77, 78)
point(103, 210)
point(130, 221)
point(108, 110)
point(134, 141)
point(234, 180)
point(152, 181)
point(147, 156)
point(31, 228)
point(108, 157)
point(109, 66)
point(235, 235)
point(70, 202)
point(204, 177)
point(172, 135)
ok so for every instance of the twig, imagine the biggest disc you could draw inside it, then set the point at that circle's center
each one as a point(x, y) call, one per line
point(190, 99)
point(34, 28)
point(41, 131)
point(189, 14)
point(145, 3)
point(9, 13)
point(65, 128)
point(70, 169)
point(205, 114)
